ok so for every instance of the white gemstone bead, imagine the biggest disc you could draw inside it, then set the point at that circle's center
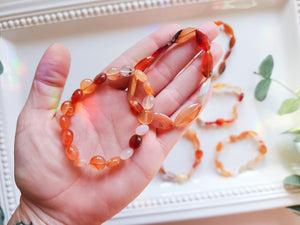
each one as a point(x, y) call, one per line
point(127, 71)
point(148, 102)
point(182, 177)
point(142, 129)
point(203, 91)
point(126, 153)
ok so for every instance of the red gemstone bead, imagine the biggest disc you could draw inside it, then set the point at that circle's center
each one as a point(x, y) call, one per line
point(202, 40)
point(241, 97)
point(67, 137)
point(144, 63)
point(100, 78)
point(135, 141)
point(64, 122)
point(135, 106)
point(198, 154)
point(77, 96)
point(207, 64)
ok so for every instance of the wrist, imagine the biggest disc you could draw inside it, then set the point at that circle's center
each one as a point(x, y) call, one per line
point(29, 214)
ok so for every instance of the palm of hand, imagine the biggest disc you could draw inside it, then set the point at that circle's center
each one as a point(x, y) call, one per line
point(102, 125)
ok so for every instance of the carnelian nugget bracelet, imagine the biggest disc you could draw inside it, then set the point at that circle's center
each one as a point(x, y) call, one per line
point(143, 110)
point(182, 177)
point(262, 149)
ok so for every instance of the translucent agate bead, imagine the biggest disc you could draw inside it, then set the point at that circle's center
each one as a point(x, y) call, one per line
point(162, 121)
point(126, 71)
point(145, 117)
point(72, 152)
point(97, 162)
point(67, 108)
point(126, 153)
point(67, 137)
point(64, 122)
point(113, 162)
point(148, 102)
point(113, 73)
point(87, 86)
point(136, 106)
point(140, 75)
point(187, 114)
point(148, 88)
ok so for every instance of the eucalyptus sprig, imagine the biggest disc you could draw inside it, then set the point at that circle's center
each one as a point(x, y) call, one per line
point(1, 216)
point(287, 106)
point(265, 71)
point(1, 68)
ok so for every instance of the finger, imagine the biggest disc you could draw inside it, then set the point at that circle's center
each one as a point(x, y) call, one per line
point(143, 48)
point(174, 61)
point(182, 87)
point(49, 79)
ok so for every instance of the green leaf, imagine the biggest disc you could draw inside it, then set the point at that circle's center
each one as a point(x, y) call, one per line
point(293, 131)
point(1, 68)
point(295, 208)
point(266, 67)
point(1, 216)
point(289, 105)
point(292, 180)
point(261, 89)
point(298, 92)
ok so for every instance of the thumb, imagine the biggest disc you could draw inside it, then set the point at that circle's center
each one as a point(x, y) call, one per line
point(49, 79)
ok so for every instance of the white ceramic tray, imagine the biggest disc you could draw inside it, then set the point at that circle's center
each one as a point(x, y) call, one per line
point(96, 32)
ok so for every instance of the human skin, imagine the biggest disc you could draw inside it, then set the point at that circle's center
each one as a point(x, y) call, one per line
point(53, 190)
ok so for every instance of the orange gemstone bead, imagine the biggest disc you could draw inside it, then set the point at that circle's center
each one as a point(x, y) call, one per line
point(113, 73)
point(64, 122)
point(232, 42)
point(233, 138)
point(97, 162)
point(145, 117)
point(87, 86)
point(100, 78)
point(148, 88)
point(161, 121)
point(227, 29)
point(135, 106)
point(140, 75)
point(67, 137)
point(222, 67)
point(144, 63)
point(263, 149)
point(207, 64)
point(72, 152)
point(162, 49)
point(220, 122)
point(219, 146)
point(67, 108)
point(185, 35)
point(113, 162)
point(219, 165)
point(187, 115)
point(131, 87)
point(135, 141)
point(77, 96)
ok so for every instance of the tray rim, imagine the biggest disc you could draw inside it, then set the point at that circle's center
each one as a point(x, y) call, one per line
point(105, 8)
